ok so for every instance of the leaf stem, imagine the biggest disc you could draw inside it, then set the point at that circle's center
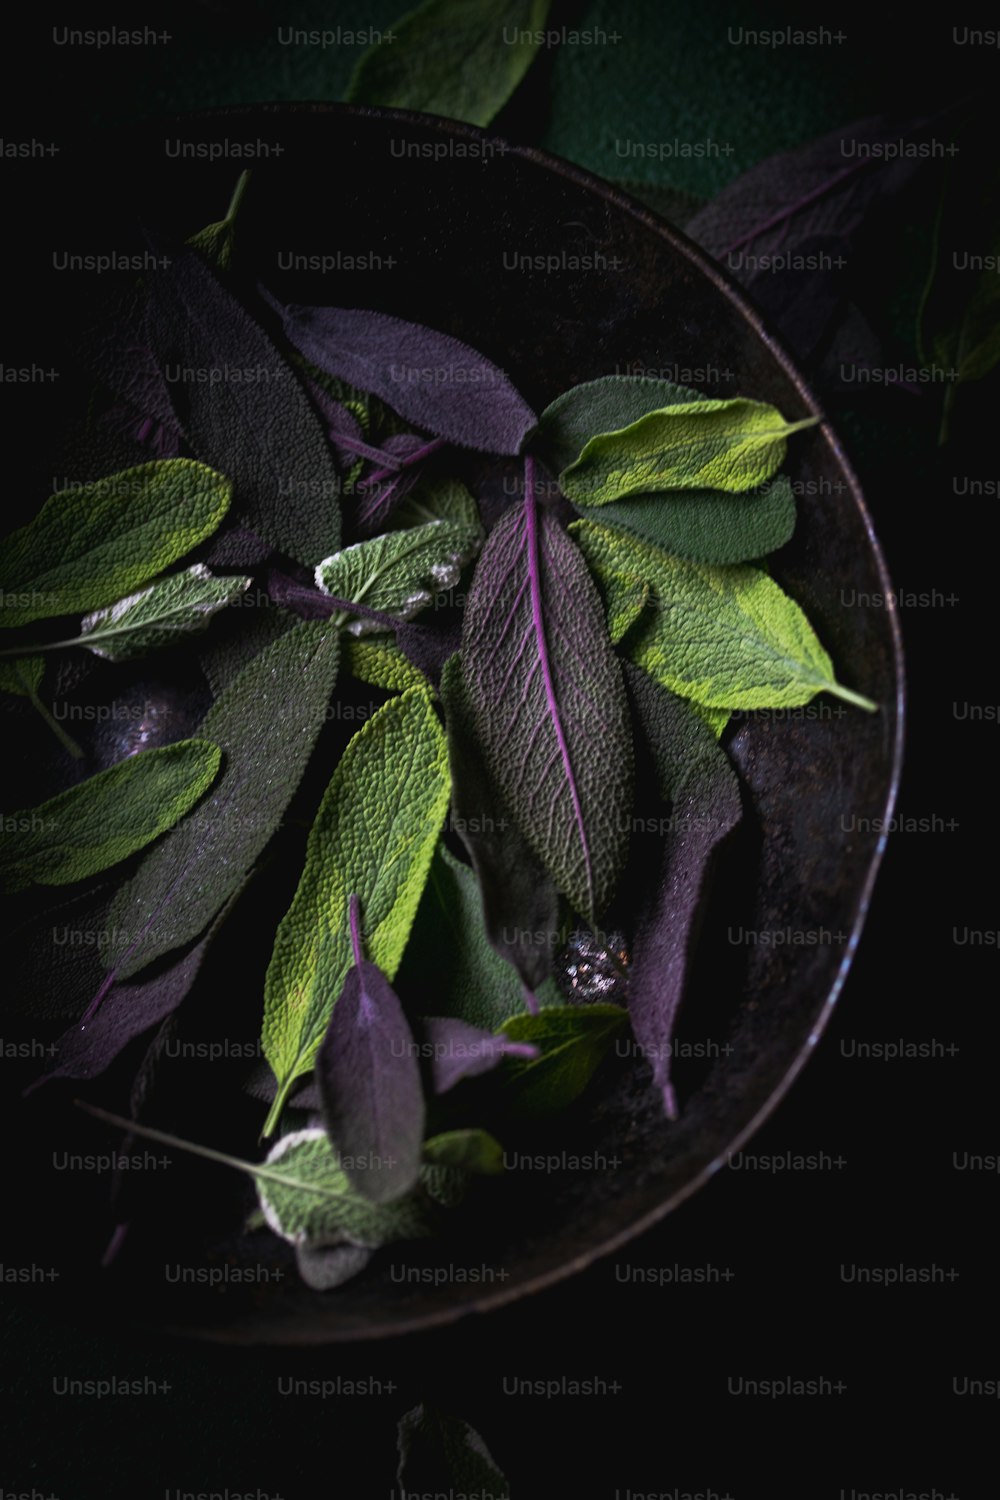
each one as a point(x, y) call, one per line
point(66, 740)
point(277, 1105)
point(851, 697)
point(237, 198)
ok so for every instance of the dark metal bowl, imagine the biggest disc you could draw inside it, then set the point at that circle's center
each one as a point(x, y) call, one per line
point(446, 213)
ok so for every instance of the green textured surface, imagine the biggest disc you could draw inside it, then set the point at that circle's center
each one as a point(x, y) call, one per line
point(722, 445)
point(725, 637)
point(89, 546)
point(399, 573)
point(266, 721)
point(573, 1041)
point(159, 614)
point(373, 837)
point(106, 818)
point(706, 525)
point(379, 661)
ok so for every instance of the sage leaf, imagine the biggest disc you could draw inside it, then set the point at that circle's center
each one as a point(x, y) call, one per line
point(260, 428)
point(303, 1193)
point(266, 724)
point(733, 445)
point(706, 525)
point(106, 818)
point(159, 614)
point(519, 902)
point(373, 837)
point(449, 967)
point(438, 499)
point(607, 404)
point(547, 695)
point(453, 58)
point(694, 775)
point(89, 546)
point(215, 241)
point(379, 661)
point(474, 1151)
point(369, 1080)
point(724, 637)
point(572, 1042)
point(441, 1455)
point(400, 572)
point(458, 1050)
point(431, 379)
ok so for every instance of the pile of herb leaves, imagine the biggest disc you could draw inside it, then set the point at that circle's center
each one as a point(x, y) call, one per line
point(616, 611)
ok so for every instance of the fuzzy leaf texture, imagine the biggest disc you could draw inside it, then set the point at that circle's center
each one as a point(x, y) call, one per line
point(22, 677)
point(519, 903)
point(450, 968)
point(439, 1454)
point(399, 573)
point(262, 432)
point(607, 404)
point(572, 1042)
point(474, 1151)
point(172, 607)
point(105, 819)
point(369, 1082)
point(452, 57)
point(379, 661)
point(732, 445)
point(706, 525)
point(461, 1051)
point(373, 837)
point(89, 546)
point(546, 692)
point(694, 775)
point(429, 378)
point(266, 723)
point(724, 637)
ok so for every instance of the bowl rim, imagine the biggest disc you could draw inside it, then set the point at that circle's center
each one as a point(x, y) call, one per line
point(713, 272)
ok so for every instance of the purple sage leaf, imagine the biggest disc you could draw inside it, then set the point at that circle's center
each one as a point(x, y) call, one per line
point(369, 1082)
point(458, 1050)
point(693, 773)
point(261, 432)
point(429, 378)
point(549, 703)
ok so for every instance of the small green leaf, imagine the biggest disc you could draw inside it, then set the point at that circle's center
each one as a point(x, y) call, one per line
point(215, 241)
point(460, 58)
point(307, 1199)
point(724, 637)
point(88, 547)
point(441, 1455)
point(573, 1041)
point(303, 1192)
point(437, 499)
point(723, 445)
point(159, 614)
point(373, 837)
point(379, 661)
point(473, 1151)
point(399, 573)
point(106, 818)
point(450, 966)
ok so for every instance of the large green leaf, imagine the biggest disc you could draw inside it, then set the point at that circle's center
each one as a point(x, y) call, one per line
point(399, 572)
point(723, 637)
point(158, 615)
point(88, 547)
point(573, 1041)
point(373, 837)
point(105, 819)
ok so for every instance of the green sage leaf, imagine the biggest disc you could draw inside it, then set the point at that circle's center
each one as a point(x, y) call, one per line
point(156, 616)
point(573, 1041)
point(89, 546)
point(373, 837)
point(723, 637)
point(732, 445)
point(452, 57)
point(706, 525)
point(379, 661)
point(266, 722)
point(399, 573)
point(23, 676)
point(473, 1151)
point(607, 404)
point(105, 819)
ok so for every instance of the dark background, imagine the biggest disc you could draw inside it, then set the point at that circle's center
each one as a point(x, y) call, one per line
point(898, 1199)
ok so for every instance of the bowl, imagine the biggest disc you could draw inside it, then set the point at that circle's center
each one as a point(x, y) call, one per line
point(558, 278)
